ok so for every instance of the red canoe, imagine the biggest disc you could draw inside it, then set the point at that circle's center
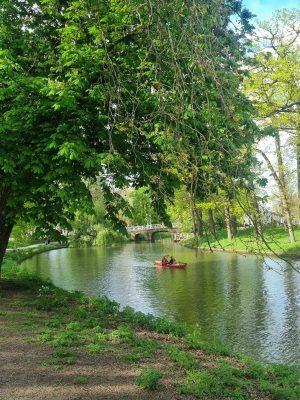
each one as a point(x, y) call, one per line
point(174, 265)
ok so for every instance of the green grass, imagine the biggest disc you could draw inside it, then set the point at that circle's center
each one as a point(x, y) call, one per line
point(277, 240)
point(181, 358)
point(195, 341)
point(93, 348)
point(142, 349)
point(61, 357)
point(149, 379)
point(123, 333)
point(282, 381)
point(217, 382)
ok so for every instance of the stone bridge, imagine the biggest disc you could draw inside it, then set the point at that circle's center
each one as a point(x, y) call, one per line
point(148, 231)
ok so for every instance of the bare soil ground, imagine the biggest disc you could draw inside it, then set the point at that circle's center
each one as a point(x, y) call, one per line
point(25, 376)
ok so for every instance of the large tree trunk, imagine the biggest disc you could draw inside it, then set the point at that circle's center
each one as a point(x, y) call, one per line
point(282, 194)
point(228, 222)
point(5, 224)
point(212, 225)
point(5, 231)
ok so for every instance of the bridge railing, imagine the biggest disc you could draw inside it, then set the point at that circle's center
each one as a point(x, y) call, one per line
point(148, 227)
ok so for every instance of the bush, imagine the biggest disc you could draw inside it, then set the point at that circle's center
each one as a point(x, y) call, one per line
point(149, 379)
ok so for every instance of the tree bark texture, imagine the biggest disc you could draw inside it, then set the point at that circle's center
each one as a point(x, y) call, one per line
point(5, 225)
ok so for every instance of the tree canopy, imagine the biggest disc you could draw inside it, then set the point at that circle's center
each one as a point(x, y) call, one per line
point(136, 93)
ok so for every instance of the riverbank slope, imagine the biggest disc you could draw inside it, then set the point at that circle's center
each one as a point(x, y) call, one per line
point(69, 346)
point(276, 241)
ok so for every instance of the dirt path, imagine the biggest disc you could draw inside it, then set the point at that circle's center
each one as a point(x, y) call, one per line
point(24, 375)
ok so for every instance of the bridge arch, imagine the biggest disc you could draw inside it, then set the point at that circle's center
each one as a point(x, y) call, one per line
point(137, 237)
point(149, 231)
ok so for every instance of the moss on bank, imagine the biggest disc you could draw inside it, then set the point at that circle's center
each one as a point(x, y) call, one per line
point(162, 356)
point(245, 242)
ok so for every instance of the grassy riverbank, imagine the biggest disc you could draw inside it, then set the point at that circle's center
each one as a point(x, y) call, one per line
point(66, 345)
point(14, 257)
point(276, 239)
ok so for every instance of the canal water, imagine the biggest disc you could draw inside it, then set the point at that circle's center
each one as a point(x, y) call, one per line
point(235, 298)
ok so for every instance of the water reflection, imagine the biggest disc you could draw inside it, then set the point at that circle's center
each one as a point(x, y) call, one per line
point(233, 297)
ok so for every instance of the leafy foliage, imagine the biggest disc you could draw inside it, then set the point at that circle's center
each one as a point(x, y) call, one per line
point(273, 82)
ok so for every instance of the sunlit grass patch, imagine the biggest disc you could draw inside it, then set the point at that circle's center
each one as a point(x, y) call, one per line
point(275, 239)
point(123, 333)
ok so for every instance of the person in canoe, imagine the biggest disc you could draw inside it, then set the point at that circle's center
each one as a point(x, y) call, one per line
point(164, 261)
point(172, 260)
